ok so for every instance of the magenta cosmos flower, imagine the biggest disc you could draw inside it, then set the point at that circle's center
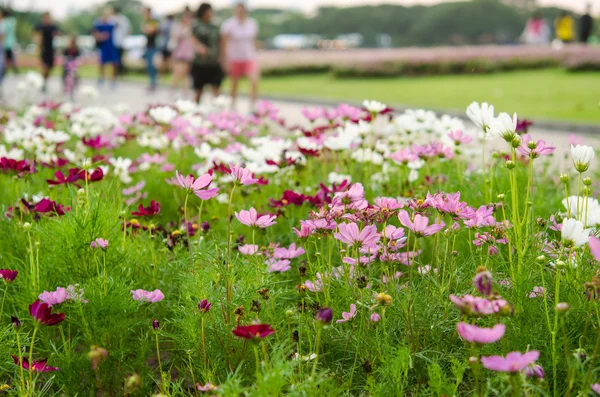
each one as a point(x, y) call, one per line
point(513, 362)
point(251, 218)
point(147, 296)
point(198, 185)
point(241, 176)
point(42, 313)
point(535, 149)
point(8, 275)
point(53, 298)
point(99, 243)
point(593, 243)
point(37, 366)
point(347, 316)
point(254, 331)
point(419, 225)
point(350, 234)
point(474, 334)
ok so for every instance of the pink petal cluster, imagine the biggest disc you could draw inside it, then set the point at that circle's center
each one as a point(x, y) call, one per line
point(513, 362)
point(288, 253)
point(474, 334)
point(99, 243)
point(54, 297)
point(242, 176)
point(248, 249)
point(147, 296)
point(251, 218)
point(347, 316)
point(350, 234)
point(198, 185)
point(420, 224)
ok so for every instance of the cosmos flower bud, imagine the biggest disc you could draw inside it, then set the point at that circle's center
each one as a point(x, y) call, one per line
point(509, 164)
point(375, 318)
point(81, 192)
point(324, 316)
point(361, 282)
point(205, 226)
point(155, 325)
point(15, 321)
point(500, 197)
point(27, 226)
point(483, 281)
point(204, 306)
point(132, 382)
point(540, 259)
point(532, 144)
point(562, 307)
point(564, 178)
point(516, 141)
point(587, 181)
point(264, 293)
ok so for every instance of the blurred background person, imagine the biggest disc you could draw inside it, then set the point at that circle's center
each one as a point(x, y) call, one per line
point(239, 35)
point(103, 31)
point(206, 68)
point(46, 30)
point(164, 39)
point(183, 50)
point(122, 30)
point(150, 30)
point(565, 27)
point(71, 56)
point(537, 31)
point(586, 25)
point(9, 28)
point(2, 60)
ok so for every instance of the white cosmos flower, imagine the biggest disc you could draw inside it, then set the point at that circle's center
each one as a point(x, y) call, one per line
point(374, 106)
point(345, 138)
point(121, 168)
point(504, 127)
point(34, 80)
point(163, 114)
point(591, 217)
point(582, 156)
point(481, 115)
point(336, 178)
point(185, 106)
point(90, 92)
point(574, 233)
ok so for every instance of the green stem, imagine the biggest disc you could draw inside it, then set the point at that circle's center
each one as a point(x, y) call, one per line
point(35, 330)
point(317, 345)
point(3, 299)
point(228, 264)
point(20, 355)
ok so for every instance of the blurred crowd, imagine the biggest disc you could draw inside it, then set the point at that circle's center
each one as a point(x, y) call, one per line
point(566, 29)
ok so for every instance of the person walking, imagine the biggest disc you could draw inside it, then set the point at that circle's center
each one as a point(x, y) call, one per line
point(46, 30)
point(9, 27)
point(122, 30)
point(239, 35)
point(536, 31)
point(70, 67)
point(103, 31)
point(564, 26)
point(183, 49)
point(164, 39)
point(150, 30)
point(586, 25)
point(206, 67)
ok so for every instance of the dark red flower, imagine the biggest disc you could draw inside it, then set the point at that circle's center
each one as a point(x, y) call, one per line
point(261, 180)
point(38, 366)
point(309, 152)
point(95, 176)
point(290, 197)
point(48, 206)
point(97, 142)
point(8, 275)
point(42, 312)
point(61, 179)
point(523, 126)
point(58, 163)
point(254, 331)
point(20, 166)
point(204, 306)
point(152, 209)
point(220, 168)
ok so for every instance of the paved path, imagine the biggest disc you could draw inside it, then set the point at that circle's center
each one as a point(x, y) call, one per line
point(136, 97)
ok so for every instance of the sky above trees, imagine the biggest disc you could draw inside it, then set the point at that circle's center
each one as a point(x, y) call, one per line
point(62, 7)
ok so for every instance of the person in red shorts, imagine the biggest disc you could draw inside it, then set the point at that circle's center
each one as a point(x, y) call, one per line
point(238, 38)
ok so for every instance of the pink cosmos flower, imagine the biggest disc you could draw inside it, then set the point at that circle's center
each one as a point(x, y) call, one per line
point(54, 297)
point(375, 318)
point(404, 156)
point(534, 149)
point(353, 198)
point(448, 203)
point(278, 265)
point(134, 189)
point(474, 334)
point(534, 370)
point(99, 243)
point(386, 203)
point(251, 218)
point(419, 226)
point(242, 176)
point(312, 114)
point(288, 253)
point(480, 218)
point(514, 362)
point(459, 137)
point(207, 387)
point(594, 244)
point(347, 316)
point(349, 234)
point(197, 185)
point(319, 224)
point(248, 249)
point(314, 287)
point(304, 232)
point(147, 296)
point(537, 292)
point(596, 388)
point(475, 306)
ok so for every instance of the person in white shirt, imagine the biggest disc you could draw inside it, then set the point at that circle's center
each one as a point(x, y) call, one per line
point(238, 38)
point(122, 30)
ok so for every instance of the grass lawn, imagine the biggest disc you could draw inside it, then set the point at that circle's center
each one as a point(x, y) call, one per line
point(548, 94)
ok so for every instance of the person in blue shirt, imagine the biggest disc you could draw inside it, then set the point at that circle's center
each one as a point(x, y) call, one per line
point(103, 33)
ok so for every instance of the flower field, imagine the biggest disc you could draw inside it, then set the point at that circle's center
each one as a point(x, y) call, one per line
point(188, 250)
